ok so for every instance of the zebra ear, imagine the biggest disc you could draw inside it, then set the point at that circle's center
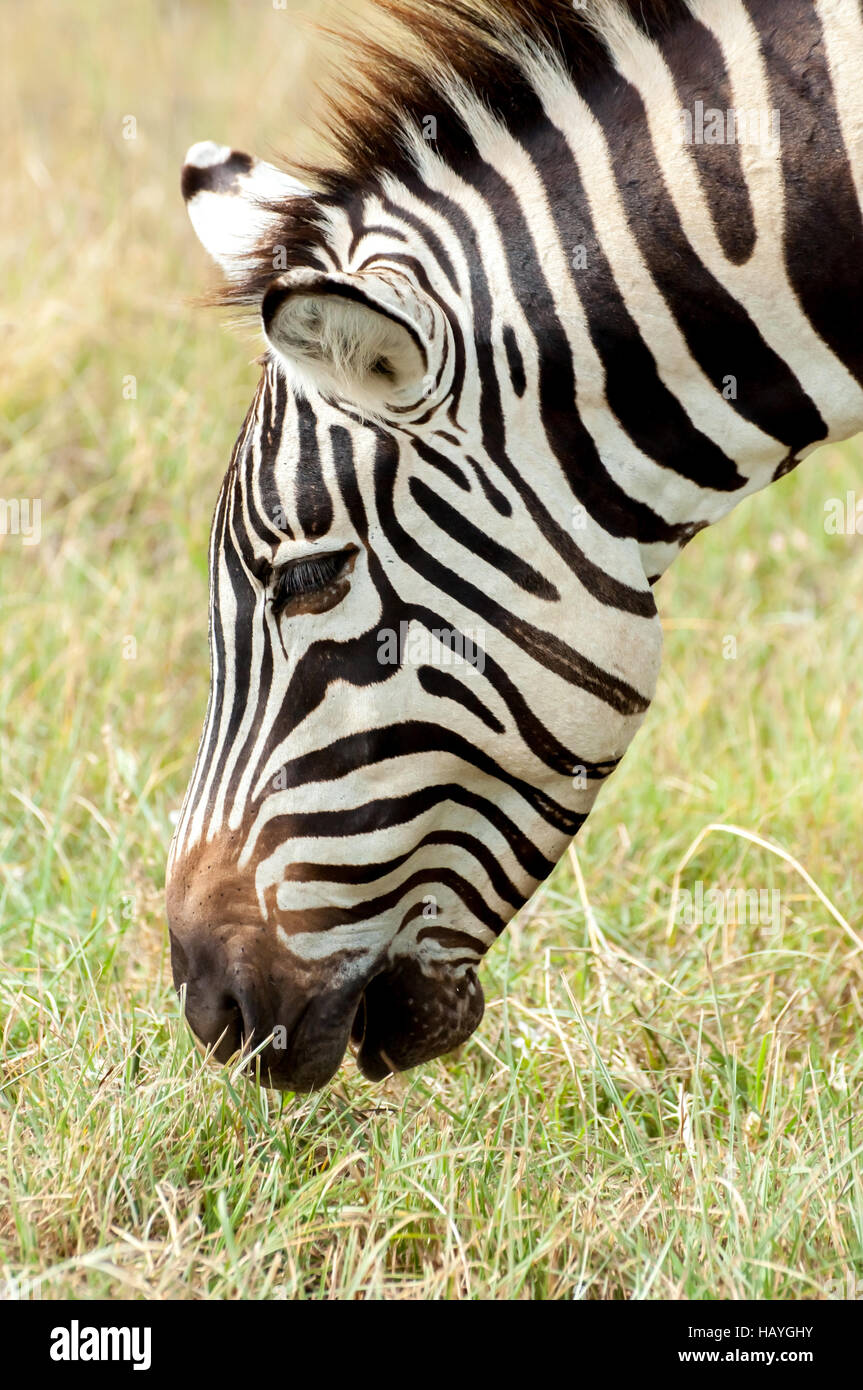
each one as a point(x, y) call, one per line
point(369, 339)
point(226, 194)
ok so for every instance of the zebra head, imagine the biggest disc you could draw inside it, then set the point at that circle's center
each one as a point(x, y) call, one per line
point(426, 654)
point(517, 355)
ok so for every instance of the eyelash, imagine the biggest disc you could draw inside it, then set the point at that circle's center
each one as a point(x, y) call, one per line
point(307, 576)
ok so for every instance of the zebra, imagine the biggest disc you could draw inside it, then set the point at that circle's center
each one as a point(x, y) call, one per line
point(576, 280)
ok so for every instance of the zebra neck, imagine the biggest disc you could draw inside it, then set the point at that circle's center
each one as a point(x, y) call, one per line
point(713, 297)
point(664, 283)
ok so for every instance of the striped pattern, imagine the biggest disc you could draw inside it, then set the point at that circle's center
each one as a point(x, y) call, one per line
point(515, 362)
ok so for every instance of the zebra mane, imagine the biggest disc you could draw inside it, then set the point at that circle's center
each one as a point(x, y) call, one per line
point(390, 85)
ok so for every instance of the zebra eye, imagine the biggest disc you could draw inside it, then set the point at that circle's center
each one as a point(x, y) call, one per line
point(313, 577)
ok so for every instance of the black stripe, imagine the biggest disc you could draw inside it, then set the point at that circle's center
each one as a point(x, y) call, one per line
point(544, 647)
point(448, 687)
point(823, 222)
point(312, 499)
point(515, 361)
point(308, 872)
point(648, 411)
point(719, 332)
point(386, 813)
point(459, 528)
point(695, 59)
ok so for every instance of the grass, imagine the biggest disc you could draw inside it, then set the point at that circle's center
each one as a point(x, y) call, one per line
point(646, 1112)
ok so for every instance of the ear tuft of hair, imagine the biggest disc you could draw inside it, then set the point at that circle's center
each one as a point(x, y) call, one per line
point(353, 340)
point(357, 337)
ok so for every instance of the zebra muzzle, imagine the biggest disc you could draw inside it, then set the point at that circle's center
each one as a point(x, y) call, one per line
point(294, 1028)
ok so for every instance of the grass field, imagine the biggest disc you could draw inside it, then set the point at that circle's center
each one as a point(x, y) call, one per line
point(647, 1111)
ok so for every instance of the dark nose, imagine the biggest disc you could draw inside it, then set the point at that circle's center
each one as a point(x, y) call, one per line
point(217, 1017)
point(224, 1007)
point(237, 998)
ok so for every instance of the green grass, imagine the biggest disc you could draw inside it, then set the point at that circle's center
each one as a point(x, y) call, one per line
point(644, 1112)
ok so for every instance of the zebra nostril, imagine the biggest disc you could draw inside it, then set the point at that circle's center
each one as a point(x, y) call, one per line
point(216, 1017)
point(224, 1030)
point(235, 1034)
point(252, 1012)
point(358, 1027)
